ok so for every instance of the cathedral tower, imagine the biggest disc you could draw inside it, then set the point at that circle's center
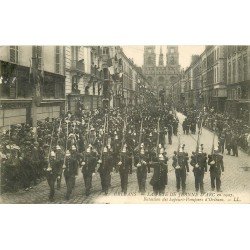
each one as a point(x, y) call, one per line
point(172, 56)
point(149, 56)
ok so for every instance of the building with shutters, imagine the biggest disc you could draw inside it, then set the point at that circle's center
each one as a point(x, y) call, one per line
point(238, 81)
point(17, 83)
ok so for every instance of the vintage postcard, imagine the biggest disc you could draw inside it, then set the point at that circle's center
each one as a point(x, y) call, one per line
point(125, 124)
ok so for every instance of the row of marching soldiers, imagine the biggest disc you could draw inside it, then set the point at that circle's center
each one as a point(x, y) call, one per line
point(109, 142)
point(127, 141)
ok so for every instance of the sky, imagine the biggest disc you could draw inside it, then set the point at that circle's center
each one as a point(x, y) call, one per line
point(185, 53)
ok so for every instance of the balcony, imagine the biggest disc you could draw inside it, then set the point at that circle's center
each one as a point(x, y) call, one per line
point(77, 66)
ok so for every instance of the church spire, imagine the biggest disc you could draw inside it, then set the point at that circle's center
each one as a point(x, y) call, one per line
point(161, 63)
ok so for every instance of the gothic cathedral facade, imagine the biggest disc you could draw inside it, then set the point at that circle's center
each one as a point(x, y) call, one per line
point(161, 76)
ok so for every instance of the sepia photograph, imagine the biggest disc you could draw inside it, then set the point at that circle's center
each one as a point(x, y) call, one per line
point(116, 124)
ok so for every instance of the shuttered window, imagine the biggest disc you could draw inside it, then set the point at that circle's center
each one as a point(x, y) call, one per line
point(14, 54)
point(57, 63)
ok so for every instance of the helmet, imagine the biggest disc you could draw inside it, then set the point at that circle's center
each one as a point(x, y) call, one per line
point(116, 137)
point(88, 149)
point(58, 147)
point(142, 151)
point(67, 153)
point(124, 150)
point(161, 151)
point(216, 150)
point(160, 146)
point(52, 154)
point(105, 150)
point(161, 157)
point(73, 147)
point(142, 145)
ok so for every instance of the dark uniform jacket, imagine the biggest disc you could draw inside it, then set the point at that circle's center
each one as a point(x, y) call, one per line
point(71, 167)
point(218, 165)
point(160, 174)
point(106, 166)
point(201, 160)
point(126, 166)
point(181, 159)
point(90, 164)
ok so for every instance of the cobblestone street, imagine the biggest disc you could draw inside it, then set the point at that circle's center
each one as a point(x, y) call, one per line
point(235, 182)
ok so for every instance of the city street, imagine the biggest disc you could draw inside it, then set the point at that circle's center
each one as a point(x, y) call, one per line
point(235, 183)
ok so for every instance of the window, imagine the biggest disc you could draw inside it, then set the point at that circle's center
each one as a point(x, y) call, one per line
point(239, 69)
point(239, 93)
point(149, 60)
point(57, 63)
point(105, 51)
point(217, 74)
point(245, 67)
point(14, 54)
point(74, 53)
point(229, 72)
point(234, 71)
point(37, 53)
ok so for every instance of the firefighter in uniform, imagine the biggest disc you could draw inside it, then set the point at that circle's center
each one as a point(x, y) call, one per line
point(51, 174)
point(59, 162)
point(88, 169)
point(70, 173)
point(199, 163)
point(125, 168)
point(159, 178)
point(142, 166)
point(215, 160)
point(105, 169)
point(180, 164)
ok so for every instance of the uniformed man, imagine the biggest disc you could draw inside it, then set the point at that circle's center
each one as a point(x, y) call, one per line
point(180, 164)
point(215, 160)
point(199, 163)
point(59, 162)
point(159, 178)
point(88, 168)
point(70, 173)
point(142, 168)
point(105, 169)
point(222, 138)
point(51, 174)
point(125, 168)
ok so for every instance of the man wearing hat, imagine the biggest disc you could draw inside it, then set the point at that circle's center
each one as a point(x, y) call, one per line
point(88, 168)
point(142, 168)
point(215, 160)
point(70, 172)
point(51, 174)
point(199, 163)
point(159, 178)
point(180, 164)
point(105, 169)
point(59, 163)
point(125, 168)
